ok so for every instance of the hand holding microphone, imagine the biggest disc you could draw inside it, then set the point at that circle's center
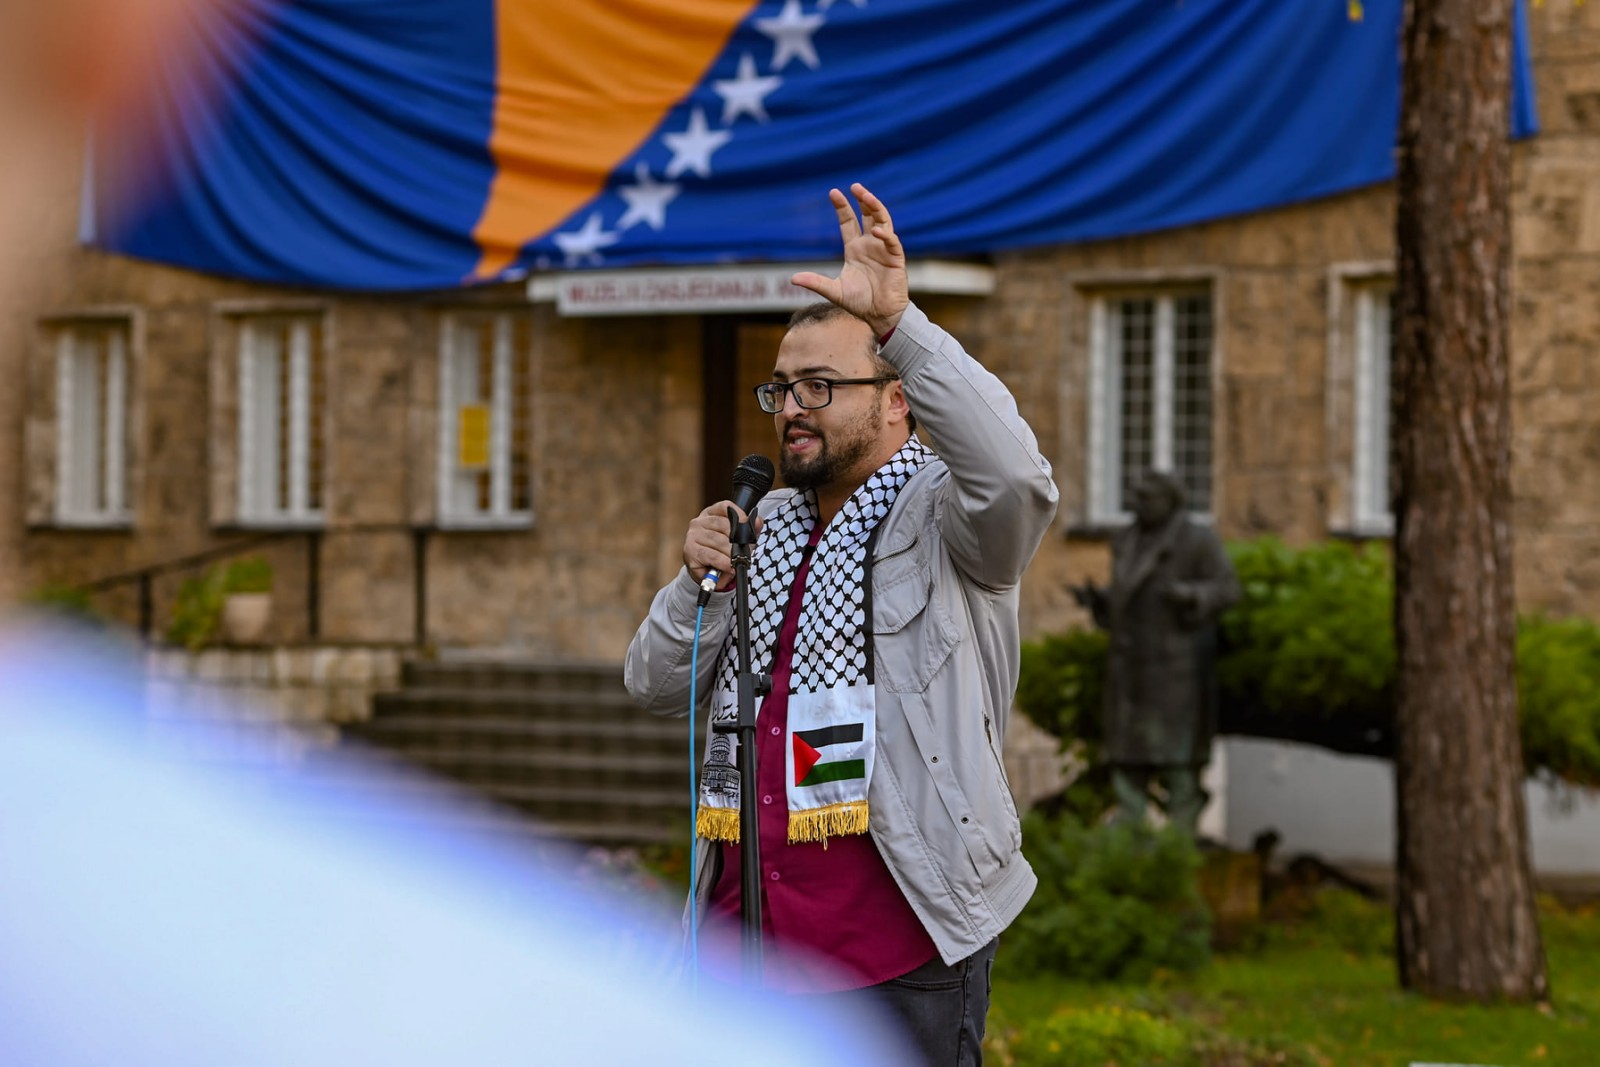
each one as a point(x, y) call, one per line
point(706, 550)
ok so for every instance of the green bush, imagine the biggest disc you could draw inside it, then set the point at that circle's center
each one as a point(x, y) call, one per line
point(1061, 688)
point(1313, 635)
point(1114, 902)
point(197, 611)
point(252, 574)
point(1558, 692)
point(1115, 1035)
point(1062, 683)
point(1308, 654)
point(68, 601)
point(1353, 923)
point(1100, 1036)
point(1330, 916)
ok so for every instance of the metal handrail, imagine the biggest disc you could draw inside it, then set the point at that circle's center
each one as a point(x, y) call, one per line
point(183, 563)
point(145, 576)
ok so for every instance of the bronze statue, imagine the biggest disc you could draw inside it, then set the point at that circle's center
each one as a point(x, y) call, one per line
point(1169, 580)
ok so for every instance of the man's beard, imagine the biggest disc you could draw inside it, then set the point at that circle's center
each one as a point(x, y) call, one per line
point(834, 457)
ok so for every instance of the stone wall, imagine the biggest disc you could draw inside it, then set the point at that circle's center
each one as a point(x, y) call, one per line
point(309, 692)
point(36, 210)
point(1556, 319)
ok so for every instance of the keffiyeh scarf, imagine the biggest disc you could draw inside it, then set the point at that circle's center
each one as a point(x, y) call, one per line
point(829, 748)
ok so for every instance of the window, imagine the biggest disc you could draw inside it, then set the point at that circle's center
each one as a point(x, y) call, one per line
point(280, 420)
point(92, 422)
point(1373, 342)
point(1150, 397)
point(485, 421)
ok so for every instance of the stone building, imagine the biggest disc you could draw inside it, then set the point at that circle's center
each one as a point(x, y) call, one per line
point(511, 468)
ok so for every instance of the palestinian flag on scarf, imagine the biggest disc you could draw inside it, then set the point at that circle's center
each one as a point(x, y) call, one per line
point(827, 754)
point(829, 761)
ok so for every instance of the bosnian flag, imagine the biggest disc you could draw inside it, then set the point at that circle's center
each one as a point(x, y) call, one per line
point(412, 144)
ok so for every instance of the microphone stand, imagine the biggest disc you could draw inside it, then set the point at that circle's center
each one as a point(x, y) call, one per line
point(750, 686)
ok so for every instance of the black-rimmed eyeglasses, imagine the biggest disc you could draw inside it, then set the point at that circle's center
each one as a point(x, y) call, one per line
point(809, 393)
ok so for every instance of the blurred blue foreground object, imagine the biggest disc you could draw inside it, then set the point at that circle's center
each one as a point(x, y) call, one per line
point(156, 909)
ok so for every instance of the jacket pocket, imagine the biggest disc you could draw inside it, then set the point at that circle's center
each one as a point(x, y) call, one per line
point(911, 634)
point(1003, 785)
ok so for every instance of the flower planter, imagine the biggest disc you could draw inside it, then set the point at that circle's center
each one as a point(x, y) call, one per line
point(245, 617)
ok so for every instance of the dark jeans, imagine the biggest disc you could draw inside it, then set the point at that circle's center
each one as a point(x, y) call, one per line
point(942, 1008)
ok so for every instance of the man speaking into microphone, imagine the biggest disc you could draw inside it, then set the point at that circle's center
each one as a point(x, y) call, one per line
point(883, 603)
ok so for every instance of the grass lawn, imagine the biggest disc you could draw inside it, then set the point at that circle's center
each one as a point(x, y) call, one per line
point(1323, 991)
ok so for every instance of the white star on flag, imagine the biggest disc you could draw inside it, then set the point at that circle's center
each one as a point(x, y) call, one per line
point(691, 149)
point(745, 94)
point(586, 243)
point(647, 200)
point(791, 36)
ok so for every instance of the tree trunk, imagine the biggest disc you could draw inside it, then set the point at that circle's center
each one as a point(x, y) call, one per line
point(1465, 918)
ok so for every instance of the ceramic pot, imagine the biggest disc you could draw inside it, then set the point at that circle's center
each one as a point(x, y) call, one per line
point(245, 617)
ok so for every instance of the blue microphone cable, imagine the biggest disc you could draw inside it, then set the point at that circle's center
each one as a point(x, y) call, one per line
point(694, 803)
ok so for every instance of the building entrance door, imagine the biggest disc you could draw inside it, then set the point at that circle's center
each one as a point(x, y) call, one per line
point(739, 352)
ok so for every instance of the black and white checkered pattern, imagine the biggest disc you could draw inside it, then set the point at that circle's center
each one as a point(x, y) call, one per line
point(833, 646)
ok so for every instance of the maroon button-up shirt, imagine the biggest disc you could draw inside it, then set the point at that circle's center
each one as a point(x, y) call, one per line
point(833, 917)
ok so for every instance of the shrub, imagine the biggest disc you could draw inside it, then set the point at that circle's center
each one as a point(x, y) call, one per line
point(1330, 916)
point(1308, 654)
point(66, 601)
point(197, 611)
point(1353, 923)
point(1558, 692)
point(1112, 1035)
point(252, 574)
point(1062, 683)
point(1061, 688)
point(1114, 902)
point(1100, 1036)
point(1313, 635)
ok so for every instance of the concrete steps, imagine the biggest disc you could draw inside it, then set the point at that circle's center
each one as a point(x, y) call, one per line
point(555, 749)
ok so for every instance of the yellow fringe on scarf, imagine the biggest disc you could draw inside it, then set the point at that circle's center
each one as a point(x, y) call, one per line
point(835, 820)
point(717, 824)
point(817, 824)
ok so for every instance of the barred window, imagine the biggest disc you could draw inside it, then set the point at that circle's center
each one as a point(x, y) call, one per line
point(281, 424)
point(92, 422)
point(485, 420)
point(1150, 397)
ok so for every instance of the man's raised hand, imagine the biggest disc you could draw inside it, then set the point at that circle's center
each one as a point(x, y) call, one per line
point(872, 283)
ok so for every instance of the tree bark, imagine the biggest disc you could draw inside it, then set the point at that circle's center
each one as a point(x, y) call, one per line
point(1466, 922)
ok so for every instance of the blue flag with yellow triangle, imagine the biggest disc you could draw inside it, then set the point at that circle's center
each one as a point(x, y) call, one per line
point(412, 144)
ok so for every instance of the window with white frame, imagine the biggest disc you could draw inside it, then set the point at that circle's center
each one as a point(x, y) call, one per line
point(1149, 396)
point(1373, 343)
point(92, 422)
point(484, 421)
point(280, 420)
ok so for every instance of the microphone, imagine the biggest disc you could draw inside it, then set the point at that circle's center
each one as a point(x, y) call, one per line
point(751, 480)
